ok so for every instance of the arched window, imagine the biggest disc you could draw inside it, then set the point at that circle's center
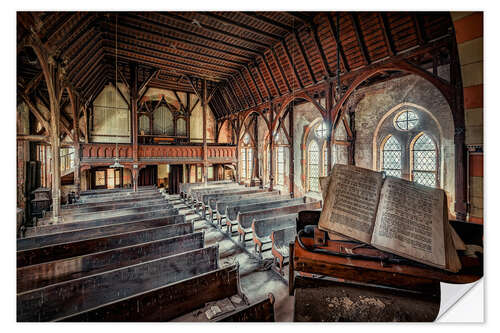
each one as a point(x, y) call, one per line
point(280, 165)
point(424, 161)
point(249, 162)
point(391, 157)
point(325, 160)
point(313, 166)
point(243, 163)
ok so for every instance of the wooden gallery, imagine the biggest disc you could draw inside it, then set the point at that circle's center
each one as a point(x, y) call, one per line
point(247, 166)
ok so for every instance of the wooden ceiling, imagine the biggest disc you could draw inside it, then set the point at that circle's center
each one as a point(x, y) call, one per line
point(250, 57)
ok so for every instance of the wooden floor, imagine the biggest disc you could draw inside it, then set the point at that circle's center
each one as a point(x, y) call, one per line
point(256, 276)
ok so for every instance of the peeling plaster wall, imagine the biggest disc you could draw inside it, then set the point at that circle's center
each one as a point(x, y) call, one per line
point(380, 99)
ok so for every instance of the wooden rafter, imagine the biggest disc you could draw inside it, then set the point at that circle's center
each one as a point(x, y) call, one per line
point(386, 32)
point(317, 44)
point(291, 64)
point(334, 32)
point(262, 79)
point(248, 88)
point(270, 72)
point(304, 56)
point(280, 68)
point(359, 38)
point(254, 82)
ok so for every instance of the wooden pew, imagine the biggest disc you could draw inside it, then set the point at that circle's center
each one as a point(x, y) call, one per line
point(118, 196)
point(68, 298)
point(202, 204)
point(64, 227)
point(130, 235)
point(111, 206)
point(45, 274)
point(106, 214)
point(233, 211)
point(245, 219)
point(280, 240)
point(184, 188)
point(195, 195)
point(212, 202)
point(179, 298)
point(224, 207)
point(262, 229)
point(97, 231)
point(108, 202)
point(115, 190)
point(191, 192)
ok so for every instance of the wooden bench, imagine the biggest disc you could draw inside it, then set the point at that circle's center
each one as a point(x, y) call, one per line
point(191, 192)
point(203, 201)
point(83, 217)
point(232, 211)
point(280, 240)
point(65, 299)
point(96, 231)
point(64, 227)
point(126, 235)
point(108, 202)
point(213, 202)
point(111, 206)
point(245, 219)
point(198, 186)
point(262, 229)
point(195, 195)
point(180, 298)
point(115, 196)
point(45, 274)
point(184, 188)
point(224, 207)
point(115, 190)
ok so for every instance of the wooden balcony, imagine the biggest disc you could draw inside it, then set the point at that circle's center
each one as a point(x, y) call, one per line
point(99, 154)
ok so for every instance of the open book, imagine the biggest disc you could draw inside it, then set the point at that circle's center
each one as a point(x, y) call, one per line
point(391, 214)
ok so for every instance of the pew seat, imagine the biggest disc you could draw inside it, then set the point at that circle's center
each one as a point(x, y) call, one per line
point(280, 240)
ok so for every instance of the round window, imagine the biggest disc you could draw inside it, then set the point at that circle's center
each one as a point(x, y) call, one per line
point(246, 138)
point(406, 120)
point(321, 130)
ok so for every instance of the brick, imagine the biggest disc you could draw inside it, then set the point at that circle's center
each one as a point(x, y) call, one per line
point(474, 117)
point(473, 97)
point(472, 74)
point(474, 135)
point(469, 27)
point(471, 51)
point(476, 165)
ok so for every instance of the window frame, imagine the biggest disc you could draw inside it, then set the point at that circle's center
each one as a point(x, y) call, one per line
point(309, 177)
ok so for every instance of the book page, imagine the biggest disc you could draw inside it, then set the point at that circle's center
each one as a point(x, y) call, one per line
point(410, 222)
point(351, 201)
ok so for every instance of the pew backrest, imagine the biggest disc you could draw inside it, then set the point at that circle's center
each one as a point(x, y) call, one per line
point(233, 211)
point(264, 227)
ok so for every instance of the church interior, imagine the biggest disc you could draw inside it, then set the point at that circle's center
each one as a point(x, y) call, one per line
point(166, 161)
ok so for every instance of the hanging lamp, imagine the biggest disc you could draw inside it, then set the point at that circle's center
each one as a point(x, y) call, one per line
point(116, 164)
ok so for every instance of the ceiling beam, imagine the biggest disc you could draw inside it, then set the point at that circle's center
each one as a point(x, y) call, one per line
point(247, 67)
point(359, 38)
point(248, 87)
point(262, 79)
point(242, 26)
point(270, 72)
point(304, 56)
point(215, 30)
point(386, 32)
point(313, 29)
point(338, 43)
point(280, 68)
point(291, 64)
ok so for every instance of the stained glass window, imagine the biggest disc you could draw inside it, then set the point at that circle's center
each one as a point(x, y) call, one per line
point(321, 130)
point(280, 166)
point(243, 163)
point(406, 120)
point(249, 162)
point(391, 157)
point(425, 161)
point(313, 162)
